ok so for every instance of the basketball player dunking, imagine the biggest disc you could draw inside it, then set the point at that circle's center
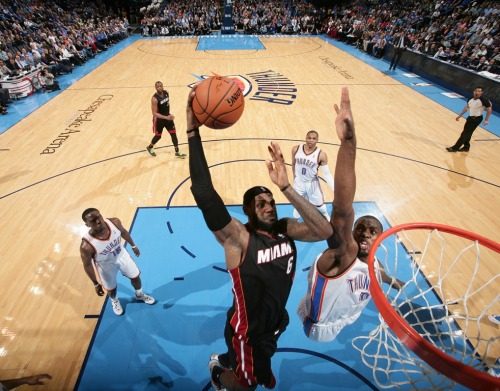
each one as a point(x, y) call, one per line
point(260, 257)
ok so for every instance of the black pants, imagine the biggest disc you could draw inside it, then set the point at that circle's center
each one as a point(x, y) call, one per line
point(4, 96)
point(470, 125)
point(398, 52)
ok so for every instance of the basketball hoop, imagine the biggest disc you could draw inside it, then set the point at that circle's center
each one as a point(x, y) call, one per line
point(437, 323)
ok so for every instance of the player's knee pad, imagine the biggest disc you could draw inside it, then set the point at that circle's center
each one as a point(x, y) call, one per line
point(210, 203)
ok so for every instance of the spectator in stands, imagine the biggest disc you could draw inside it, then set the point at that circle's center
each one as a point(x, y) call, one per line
point(13, 66)
point(4, 70)
point(3, 54)
point(492, 67)
point(47, 79)
point(466, 46)
point(488, 41)
point(20, 62)
point(464, 59)
point(52, 65)
point(379, 47)
point(496, 54)
point(28, 57)
point(473, 62)
point(482, 64)
point(37, 57)
point(452, 56)
point(441, 54)
point(482, 51)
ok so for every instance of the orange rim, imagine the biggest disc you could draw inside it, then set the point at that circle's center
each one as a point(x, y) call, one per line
point(437, 359)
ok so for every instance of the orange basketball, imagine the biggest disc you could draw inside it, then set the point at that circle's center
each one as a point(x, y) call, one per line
point(218, 102)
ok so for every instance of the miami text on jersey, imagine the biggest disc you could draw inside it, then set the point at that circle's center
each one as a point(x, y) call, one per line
point(270, 254)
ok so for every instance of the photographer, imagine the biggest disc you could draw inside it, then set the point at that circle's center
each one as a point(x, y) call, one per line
point(47, 79)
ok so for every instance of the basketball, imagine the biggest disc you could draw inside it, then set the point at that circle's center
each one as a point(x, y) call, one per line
point(218, 103)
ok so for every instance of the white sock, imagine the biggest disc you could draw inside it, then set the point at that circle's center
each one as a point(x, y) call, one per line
point(139, 292)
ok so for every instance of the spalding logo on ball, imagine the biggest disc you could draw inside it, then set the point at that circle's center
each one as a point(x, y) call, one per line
point(218, 102)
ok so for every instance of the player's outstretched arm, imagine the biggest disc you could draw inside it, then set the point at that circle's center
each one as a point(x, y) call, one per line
point(345, 179)
point(206, 197)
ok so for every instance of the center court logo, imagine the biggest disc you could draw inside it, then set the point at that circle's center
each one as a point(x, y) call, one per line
point(270, 87)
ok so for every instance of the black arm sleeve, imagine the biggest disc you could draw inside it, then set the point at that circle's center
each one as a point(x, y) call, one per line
point(208, 200)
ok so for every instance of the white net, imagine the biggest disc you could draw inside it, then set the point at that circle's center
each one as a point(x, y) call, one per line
point(451, 286)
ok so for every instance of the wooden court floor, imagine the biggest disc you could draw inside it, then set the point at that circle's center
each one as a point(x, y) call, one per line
point(86, 148)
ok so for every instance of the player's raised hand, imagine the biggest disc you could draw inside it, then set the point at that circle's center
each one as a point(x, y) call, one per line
point(276, 166)
point(344, 123)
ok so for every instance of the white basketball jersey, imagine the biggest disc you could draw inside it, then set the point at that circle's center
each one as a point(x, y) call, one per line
point(106, 250)
point(306, 165)
point(331, 303)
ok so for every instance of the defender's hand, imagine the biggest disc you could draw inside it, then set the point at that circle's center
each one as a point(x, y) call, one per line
point(344, 123)
point(276, 166)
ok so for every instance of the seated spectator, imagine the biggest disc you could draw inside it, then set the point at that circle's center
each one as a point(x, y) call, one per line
point(426, 48)
point(379, 47)
point(464, 59)
point(473, 62)
point(482, 64)
point(432, 50)
point(51, 65)
point(4, 70)
point(441, 54)
point(417, 46)
point(28, 57)
point(482, 51)
point(37, 57)
point(3, 54)
point(452, 56)
point(488, 41)
point(466, 46)
point(47, 79)
point(20, 62)
point(13, 67)
point(495, 54)
point(492, 67)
